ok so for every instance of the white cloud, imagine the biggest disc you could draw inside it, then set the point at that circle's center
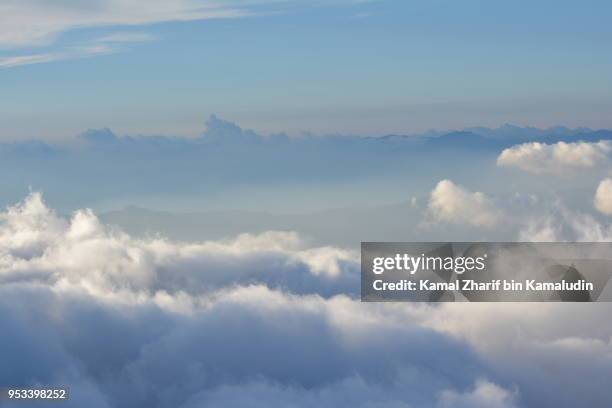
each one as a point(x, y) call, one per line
point(27, 23)
point(603, 197)
point(215, 323)
point(35, 240)
point(33, 22)
point(72, 53)
point(38, 22)
point(9, 62)
point(266, 320)
point(452, 203)
point(539, 158)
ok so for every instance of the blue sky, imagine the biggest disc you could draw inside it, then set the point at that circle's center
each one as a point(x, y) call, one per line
point(358, 67)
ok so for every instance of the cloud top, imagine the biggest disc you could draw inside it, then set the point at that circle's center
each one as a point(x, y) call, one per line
point(449, 202)
point(557, 158)
point(265, 320)
point(96, 258)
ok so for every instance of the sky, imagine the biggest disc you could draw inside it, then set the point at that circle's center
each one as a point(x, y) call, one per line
point(345, 66)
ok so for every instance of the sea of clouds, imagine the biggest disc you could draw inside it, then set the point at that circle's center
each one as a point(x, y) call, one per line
point(263, 321)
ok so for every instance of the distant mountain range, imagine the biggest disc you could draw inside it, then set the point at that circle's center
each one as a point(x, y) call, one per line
point(99, 166)
point(221, 132)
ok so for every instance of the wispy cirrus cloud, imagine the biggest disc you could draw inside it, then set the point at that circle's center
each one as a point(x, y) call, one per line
point(71, 53)
point(127, 37)
point(104, 45)
point(9, 62)
point(35, 22)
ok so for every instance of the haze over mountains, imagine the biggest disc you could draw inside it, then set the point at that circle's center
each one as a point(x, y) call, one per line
point(219, 131)
point(230, 180)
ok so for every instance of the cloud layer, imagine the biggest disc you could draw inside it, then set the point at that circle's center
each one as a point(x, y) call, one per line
point(38, 245)
point(154, 323)
point(266, 321)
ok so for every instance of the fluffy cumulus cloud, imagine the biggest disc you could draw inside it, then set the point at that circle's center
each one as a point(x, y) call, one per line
point(603, 197)
point(264, 321)
point(37, 244)
point(555, 158)
point(449, 202)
